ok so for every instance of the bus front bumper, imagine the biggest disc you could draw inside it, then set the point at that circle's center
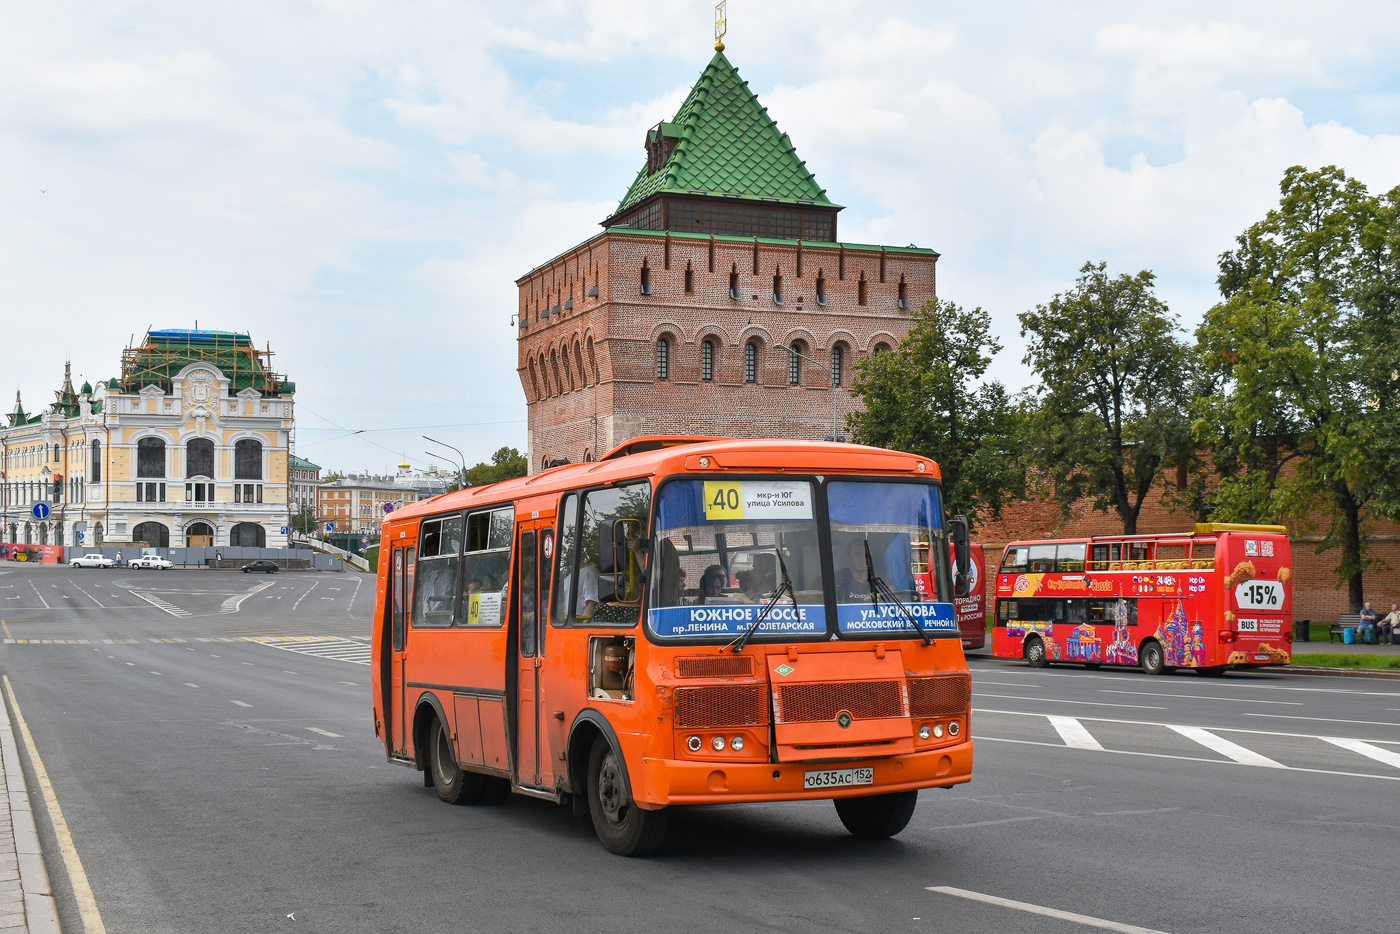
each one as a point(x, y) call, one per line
point(678, 781)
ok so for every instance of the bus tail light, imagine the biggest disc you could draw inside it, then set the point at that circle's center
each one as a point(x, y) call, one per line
point(1227, 636)
point(1288, 637)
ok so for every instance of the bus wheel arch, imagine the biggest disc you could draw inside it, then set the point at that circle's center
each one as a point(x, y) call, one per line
point(426, 712)
point(1033, 651)
point(587, 727)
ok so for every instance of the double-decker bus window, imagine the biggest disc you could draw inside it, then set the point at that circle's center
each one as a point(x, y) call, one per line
point(879, 527)
point(435, 590)
point(1042, 559)
point(1098, 558)
point(1009, 609)
point(614, 598)
point(1138, 551)
point(1203, 556)
point(1171, 556)
point(486, 568)
point(565, 548)
point(1041, 611)
point(720, 552)
point(1076, 611)
point(1070, 557)
point(1017, 559)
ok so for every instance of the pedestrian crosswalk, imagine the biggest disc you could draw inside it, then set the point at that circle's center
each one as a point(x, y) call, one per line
point(1370, 758)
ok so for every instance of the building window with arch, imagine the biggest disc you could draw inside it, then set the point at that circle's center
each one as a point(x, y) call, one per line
point(247, 460)
point(750, 362)
point(795, 363)
point(860, 290)
point(247, 535)
point(199, 458)
point(646, 278)
point(689, 279)
point(150, 457)
point(707, 360)
point(734, 284)
point(151, 534)
point(882, 347)
point(838, 361)
point(95, 474)
point(663, 358)
point(778, 288)
point(903, 293)
point(821, 288)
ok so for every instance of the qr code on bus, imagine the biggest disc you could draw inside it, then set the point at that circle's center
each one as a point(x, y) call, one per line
point(1267, 549)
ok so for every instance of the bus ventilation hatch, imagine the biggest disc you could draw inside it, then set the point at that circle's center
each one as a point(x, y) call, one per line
point(714, 666)
point(940, 696)
point(821, 701)
point(722, 705)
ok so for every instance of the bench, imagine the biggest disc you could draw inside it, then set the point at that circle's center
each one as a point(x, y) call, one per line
point(1346, 620)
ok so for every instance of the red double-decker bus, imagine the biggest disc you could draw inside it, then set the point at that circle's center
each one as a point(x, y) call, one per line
point(1217, 598)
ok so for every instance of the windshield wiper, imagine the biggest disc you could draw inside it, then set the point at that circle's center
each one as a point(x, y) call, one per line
point(877, 586)
point(738, 644)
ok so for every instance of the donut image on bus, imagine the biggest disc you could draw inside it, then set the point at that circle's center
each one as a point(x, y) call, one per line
point(1216, 598)
point(686, 621)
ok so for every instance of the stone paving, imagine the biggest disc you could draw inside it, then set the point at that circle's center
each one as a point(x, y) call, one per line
point(26, 904)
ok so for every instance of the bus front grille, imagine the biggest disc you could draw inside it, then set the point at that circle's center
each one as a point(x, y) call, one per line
point(714, 666)
point(940, 695)
point(819, 701)
point(722, 705)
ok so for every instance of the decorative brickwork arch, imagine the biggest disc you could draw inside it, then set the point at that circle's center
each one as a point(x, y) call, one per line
point(881, 337)
point(716, 331)
point(841, 336)
point(668, 329)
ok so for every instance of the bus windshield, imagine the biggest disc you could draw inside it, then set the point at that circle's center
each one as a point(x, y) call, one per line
point(895, 532)
point(724, 548)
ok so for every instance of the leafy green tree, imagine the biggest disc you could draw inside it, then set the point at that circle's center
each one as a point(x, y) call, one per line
point(506, 464)
point(1110, 412)
point(927, 397)
point(1302, 361)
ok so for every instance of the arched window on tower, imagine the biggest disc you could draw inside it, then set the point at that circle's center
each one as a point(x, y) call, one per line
point(903, 293)
point(778, 288)
point(860, 290)
point(734, 284)
point(795, 363)
point(707, 360)
point(838, 364)
point(751, 362)
point(689, 278)
point(821, 288)
point(646, 278)
point(663, 358)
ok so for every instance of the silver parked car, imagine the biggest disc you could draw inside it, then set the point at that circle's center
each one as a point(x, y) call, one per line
point(92, 561)
point(152, 563)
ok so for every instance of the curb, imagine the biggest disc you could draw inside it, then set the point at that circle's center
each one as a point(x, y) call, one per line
point(40, 912)
point(1340, 672)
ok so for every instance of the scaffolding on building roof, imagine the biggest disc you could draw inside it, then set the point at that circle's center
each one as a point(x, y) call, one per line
point(163, 354)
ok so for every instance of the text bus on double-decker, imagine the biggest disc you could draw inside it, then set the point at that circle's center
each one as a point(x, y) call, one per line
point(685, 621)
point(1217, 598)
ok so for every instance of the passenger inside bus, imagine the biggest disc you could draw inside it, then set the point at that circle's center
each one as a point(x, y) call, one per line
point(712, 586)
point(760, 581)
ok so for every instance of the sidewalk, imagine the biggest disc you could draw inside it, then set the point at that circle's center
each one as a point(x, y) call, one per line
point(26, 904)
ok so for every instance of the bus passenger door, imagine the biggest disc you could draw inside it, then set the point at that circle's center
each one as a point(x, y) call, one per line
point(532, 755)
point(401, 585)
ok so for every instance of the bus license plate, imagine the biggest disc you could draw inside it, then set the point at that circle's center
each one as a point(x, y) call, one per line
point(839, 778)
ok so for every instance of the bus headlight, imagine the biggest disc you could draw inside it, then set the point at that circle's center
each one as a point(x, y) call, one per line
point(925, 732)
point(693, 743)
point(953, 728)
point(938, 731)
point(718, 743)
point(737, 744)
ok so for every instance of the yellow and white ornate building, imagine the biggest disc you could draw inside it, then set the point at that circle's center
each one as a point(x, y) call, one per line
point(188, 447)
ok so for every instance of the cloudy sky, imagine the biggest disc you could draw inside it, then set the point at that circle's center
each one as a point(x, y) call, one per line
point(358, 184)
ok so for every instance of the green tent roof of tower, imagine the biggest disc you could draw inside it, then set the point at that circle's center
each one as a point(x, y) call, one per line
point(726, 146)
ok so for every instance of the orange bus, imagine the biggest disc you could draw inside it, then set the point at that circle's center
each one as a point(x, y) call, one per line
point(685, 621)
point(1216, 598)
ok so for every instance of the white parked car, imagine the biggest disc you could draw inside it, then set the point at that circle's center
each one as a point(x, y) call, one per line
point(92, 561)
point(151, 563)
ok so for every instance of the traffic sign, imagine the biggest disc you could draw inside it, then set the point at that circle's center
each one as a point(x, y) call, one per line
point(40, 510)
point(388, 507)
point(330, 526)
point(284, 530)
point(80, 536)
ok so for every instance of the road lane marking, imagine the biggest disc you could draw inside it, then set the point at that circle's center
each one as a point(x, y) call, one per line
point(39, 595)
point(158, 674)
point(1073, 733)
point(159, 604)
point(240, 703)
point(1365, 749)
point(1056, 700)
point(1284, 716)
point(1086, 920)
point(231, 605)
point(188, 685)
point(1232, 700)
point(88, 595)
point(304, 596)
point(316, 729)
point(1225, 747)
point(8, 634)
point(82, 891)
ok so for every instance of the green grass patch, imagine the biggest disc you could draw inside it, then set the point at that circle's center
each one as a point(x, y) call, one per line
point(1335, 660)
point(372, 556)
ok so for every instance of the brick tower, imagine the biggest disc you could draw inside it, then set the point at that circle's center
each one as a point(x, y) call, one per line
point(717, 300)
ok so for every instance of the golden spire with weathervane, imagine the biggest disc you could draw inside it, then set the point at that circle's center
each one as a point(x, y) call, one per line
point(720, 25)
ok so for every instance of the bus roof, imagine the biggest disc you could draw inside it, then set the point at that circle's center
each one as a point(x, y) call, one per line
point(1201, 529)
point(683, 454)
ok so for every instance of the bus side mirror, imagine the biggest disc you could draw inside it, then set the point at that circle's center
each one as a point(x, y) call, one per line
point(962, 555)
point(614, 556)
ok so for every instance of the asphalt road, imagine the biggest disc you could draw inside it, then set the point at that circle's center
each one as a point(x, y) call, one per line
point(218, 770)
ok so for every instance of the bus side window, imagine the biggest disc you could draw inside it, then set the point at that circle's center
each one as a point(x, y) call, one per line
point(1077, 611)
point(435, 596)
point(486, 568)
point(616, 599)
point(565, 548)
point(1100, 558)
point(1016, 558)
point(1070, 558)
point(1042, 559)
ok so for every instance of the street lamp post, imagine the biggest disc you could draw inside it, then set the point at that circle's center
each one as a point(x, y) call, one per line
point(460, 457)
point(835, 397)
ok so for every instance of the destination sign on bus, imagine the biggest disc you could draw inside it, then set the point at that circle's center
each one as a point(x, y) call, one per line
point(757, 499)
point(886, 617)
point(732, 619)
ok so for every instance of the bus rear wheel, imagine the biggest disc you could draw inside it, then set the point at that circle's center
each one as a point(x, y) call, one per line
point(622, 827)
point(875, 817)
point(1152, 659)
point(1034, 652)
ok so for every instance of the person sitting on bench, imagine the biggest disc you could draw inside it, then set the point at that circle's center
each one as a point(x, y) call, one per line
point(1367, 621)
point(1390, 626)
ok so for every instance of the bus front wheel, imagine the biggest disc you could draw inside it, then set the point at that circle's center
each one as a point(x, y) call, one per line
point(454, 784)
point(622, 827)
point(875, 817)
point(1152, 659)
point(1034, 652)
